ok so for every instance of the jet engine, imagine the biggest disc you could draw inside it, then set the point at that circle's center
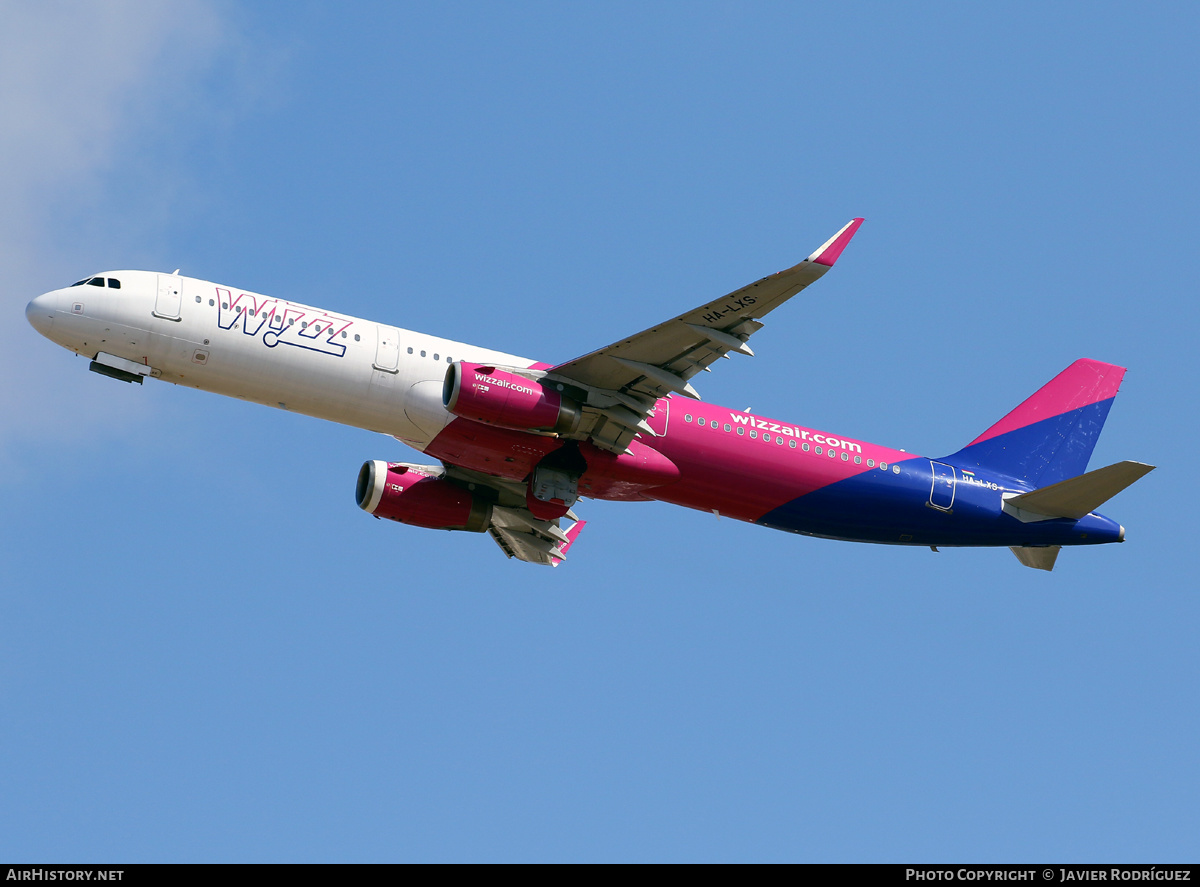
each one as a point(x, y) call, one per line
point(419, 495)
point(499, 397)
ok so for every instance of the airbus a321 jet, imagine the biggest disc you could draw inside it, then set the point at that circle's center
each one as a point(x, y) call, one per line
point(520, 442)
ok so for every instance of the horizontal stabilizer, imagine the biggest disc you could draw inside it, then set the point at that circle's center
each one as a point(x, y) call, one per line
point(1077, 496)
point(1038, 558)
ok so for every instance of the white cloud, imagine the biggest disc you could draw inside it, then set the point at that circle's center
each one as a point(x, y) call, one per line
point(80, 86)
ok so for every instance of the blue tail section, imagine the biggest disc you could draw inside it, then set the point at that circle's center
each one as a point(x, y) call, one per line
point(1051, 435)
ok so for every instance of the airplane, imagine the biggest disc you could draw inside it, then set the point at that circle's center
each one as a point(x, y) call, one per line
point(520, 442)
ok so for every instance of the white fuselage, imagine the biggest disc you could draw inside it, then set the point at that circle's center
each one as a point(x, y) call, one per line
point(263, 349)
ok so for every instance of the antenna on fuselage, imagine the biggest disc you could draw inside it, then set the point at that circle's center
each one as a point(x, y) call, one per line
point(176, 271)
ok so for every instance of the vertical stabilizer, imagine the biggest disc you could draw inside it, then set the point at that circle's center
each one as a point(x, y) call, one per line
point(1051, 435)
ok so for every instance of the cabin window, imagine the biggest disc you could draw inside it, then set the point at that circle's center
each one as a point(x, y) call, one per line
point(728, 427)
point(435, 357)
point(883, 466)
point(754, 435)
point(344, 334)
point(817, 450)
point(211, 303)
point(197, 300)
point(741, 430)
point(701, 422)
point(357, 337)
point(410, 350)
point(805, 448)
point(792, 443)
point(858, 460)
point(687, 417)
point(870, 463)
point(895, 469)
point(422, 353)
point(845, 458)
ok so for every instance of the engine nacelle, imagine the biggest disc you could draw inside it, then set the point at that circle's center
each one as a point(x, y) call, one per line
point(498, 397)
point(420, 496)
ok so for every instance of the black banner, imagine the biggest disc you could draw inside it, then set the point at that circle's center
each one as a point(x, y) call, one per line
point(912, 874)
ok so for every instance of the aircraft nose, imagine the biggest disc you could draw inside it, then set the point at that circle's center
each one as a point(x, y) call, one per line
point(40, 312)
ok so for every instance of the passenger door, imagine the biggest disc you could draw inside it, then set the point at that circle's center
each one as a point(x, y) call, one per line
point(941, 492)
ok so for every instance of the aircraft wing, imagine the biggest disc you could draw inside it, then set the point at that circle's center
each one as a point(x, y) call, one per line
point(514, 528)
point(620, 384)
point(518, 538)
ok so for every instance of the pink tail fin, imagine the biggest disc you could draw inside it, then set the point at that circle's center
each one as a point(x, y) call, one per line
point(1051, 435)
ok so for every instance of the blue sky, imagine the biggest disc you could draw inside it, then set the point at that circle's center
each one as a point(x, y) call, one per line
point(211, 654)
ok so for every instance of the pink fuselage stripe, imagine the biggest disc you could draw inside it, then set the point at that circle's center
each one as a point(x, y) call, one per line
point(738, 475)
point(1083, 383)
point(745, 477)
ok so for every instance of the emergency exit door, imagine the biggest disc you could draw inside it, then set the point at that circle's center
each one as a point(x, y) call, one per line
point(387, 349)
point(169, 298)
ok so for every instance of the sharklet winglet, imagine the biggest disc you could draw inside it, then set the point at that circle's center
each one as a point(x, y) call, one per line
point(560, 552)
point(828, 252)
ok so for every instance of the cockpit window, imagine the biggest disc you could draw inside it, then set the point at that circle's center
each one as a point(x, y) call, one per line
point(96, 281)
point(81, 282)
point(113, 283)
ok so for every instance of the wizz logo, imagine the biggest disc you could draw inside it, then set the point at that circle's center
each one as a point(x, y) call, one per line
point(278, 322)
